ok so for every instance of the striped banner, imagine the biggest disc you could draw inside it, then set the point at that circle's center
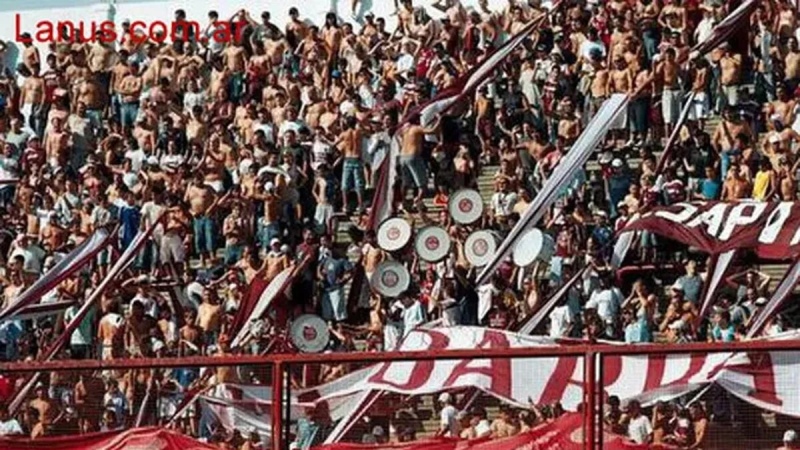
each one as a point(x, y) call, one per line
point(563, 174)
point(71, 263)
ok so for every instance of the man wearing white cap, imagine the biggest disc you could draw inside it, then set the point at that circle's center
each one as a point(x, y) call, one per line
point(448, 421)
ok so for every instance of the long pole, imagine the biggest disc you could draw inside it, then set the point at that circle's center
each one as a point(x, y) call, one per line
point(589, 412)
point(277, 405)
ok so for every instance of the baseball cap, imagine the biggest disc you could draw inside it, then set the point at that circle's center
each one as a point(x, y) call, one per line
point(790, 436)
point(444, 397)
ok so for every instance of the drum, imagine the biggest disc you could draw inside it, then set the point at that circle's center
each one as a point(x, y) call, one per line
point(533, 246)
point(432, 244)
point(394, 234)
point(390, 279)
point(480, 247)
point(309, 333)
point(465, 206)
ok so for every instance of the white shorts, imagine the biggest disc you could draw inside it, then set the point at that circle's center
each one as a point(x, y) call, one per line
point(700, 107)
point(216, 185)
point(171, 249)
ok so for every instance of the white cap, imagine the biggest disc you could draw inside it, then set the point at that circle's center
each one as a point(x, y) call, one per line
point(677, 325)
point(761, 301)
point(378, 430)
point(444, 397)
point(616, 162)
point(776, 118)
point(294, 446)
point(274, 241)
point(269, 185)
point(789, 436)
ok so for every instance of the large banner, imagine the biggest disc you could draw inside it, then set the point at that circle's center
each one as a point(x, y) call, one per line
point(564, 433)
point(771, 229)
point(136, 438)
point(766, 379)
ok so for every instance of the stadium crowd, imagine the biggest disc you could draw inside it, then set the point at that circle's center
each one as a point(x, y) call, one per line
point(256, 150)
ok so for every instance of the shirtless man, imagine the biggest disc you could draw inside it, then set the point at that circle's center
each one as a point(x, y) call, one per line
point(200, 198)
point(505, 425)
point(42, 403)
point(109, 331)
point(137, 329)
point(569, 123)
point(783, 106)
point(674, 18)
point(349, 143)
point(33, 99)
point(600, 82)
point(56, 144)
point(373, 254)
point(620, 81)
point(730, 65)
point(791, 65)
point(412, 165)
point(234, 57)
point(209, 317)
point(729, 127)
point(92, 93)
point(129, 90)
point(700, 83)
point(787, 183)
point(296, 29)
point(30, 53)
point(191, 336)
point(736, 187)
point(669, 74)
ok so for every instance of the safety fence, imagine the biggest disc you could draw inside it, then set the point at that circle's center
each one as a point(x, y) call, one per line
point(741, 395)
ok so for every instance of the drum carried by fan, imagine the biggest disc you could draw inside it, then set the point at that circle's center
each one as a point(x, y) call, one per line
point(480, 247)
point(309, 333)
point(394, 234)
point(533, 246)
point(465, 206)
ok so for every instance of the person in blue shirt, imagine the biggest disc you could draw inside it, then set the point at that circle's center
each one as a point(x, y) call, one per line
point(723, 330)
point(709, 187)
point(129, 218)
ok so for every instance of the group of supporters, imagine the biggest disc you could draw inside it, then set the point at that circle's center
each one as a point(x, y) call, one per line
point(248, 158)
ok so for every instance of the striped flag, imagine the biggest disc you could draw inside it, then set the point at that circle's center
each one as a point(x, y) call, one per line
point(72, 262)
point(562, 175)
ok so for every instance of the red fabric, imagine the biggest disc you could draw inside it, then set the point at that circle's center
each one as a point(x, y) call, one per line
point(156, 438)
point(768, 228)
point(566, 433)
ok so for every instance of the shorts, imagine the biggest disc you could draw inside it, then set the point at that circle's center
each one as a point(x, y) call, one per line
point(414, 171)
point(700, 107)
point(203, 234)
point(216, 185)
point(233, 253)
point(334, 305)
point(323, 215)
point(671, 105)
point(352, 175)
point(731, 95)
point(172, 249)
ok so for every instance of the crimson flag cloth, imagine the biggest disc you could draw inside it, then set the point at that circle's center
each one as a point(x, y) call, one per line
point(564, 433)
point(144, 438)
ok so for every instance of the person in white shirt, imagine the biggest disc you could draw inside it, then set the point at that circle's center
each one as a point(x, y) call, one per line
point(503, 200)
point(561, 322)
point(606, 300)
point(8, 425)
point(448, 422)
point(640, 430)
point(413, 313)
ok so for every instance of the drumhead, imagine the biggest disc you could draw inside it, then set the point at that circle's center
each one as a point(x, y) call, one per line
point(465, 206)
point(309, 333)
point(394, 234)
point(390, 279)
point(531, 246)
point(432, 244)
point(480, 247)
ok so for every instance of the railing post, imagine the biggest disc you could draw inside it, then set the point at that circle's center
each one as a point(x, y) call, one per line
point(277, 405)
point(590, 396)
point(600, 388)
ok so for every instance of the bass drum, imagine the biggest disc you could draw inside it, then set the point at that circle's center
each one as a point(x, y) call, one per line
point(309, 333)
point(394, 234)
point(533, 246)
point(432, 244)
point(465, 206)
point(480, 247)
point(390, 279)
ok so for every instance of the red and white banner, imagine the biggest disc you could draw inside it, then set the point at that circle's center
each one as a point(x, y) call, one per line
point(721, 263)
point(136, 438)
point(766, 378)
point(771, 229)
point(563, 174)
point(564, 433)
point(72, 262)
point(268, 294)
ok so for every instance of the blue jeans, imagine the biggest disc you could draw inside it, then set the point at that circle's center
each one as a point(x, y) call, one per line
point(203, 234)
point(233, 253)
point(128, 113)
point(267, 231)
